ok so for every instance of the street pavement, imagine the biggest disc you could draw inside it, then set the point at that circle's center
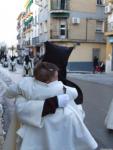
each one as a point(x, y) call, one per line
point(98, 92)
point(99, 78)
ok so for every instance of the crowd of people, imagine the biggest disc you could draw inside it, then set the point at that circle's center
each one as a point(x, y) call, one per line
point(47, 114)
point(8, 62)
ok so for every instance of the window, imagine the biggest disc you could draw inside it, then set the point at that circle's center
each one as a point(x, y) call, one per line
point(100, 2)
point(99, 26)
point(63, 30)
point(62, 4)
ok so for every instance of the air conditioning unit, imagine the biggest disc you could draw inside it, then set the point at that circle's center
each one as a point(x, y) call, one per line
point(75, 20)
point(107, 9)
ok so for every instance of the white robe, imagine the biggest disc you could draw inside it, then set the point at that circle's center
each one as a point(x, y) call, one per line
point(64, 130)
point(12, 63)
point(109, 117)
point(28, 67)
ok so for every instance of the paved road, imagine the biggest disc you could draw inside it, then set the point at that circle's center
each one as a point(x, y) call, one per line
point(103, 78)
point(97, 98)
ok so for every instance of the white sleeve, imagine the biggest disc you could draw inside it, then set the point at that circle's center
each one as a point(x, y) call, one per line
point(29, 112)
point(72, 92)
point(13, 91)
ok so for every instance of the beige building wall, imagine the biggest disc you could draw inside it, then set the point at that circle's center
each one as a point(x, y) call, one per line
point(54, 25)
point(84, 52)
point(91, 30)
point(83, 31)
point(77, 31)
point(87, 5)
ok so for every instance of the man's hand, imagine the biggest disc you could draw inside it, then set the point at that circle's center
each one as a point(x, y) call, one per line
point(51, 104)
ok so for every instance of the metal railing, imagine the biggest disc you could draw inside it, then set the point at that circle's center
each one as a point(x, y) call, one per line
point(54, 34)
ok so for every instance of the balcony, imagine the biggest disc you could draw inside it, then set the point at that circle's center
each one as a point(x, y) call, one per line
point(35, 41)
point(27, 28)
point(60, 8)
point(59, 35)
point(29, 20)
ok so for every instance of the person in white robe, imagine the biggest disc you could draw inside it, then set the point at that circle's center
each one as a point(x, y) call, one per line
point(27, 69)
point(109, 117)
point(12, 64)
point(27, 66)
point(65, 130)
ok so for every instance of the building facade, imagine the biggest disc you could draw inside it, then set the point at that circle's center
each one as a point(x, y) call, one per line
point(27, 27)
point(109, 35)
point(74, 22)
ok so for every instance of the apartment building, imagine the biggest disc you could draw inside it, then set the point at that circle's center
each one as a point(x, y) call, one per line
point(27, 27)
point(109, 35)
point(74, 22)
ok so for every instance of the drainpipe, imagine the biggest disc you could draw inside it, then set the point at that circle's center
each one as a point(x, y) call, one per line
point(86, 28)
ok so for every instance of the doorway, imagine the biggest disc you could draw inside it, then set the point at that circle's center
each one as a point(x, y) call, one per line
point(96, 52)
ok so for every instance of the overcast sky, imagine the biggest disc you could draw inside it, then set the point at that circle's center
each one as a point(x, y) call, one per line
point(9, 10)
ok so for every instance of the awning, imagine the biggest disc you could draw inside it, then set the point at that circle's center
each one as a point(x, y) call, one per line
point(28, 20)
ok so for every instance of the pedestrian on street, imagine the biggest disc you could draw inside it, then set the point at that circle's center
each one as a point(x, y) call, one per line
point(27, 66)
point(95, 63)
point(12, 66)
point(48, 133)
point(5, 62)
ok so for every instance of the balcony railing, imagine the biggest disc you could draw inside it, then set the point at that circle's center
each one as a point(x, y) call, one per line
point(35, 40)
point(27, 28)
point(56, 35)
point(66, 34)
point(59, 4)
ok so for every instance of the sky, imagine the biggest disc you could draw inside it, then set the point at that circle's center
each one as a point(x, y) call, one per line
point(9, 11)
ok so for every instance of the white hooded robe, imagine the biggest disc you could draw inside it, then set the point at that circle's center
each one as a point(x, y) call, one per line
point(64, 130)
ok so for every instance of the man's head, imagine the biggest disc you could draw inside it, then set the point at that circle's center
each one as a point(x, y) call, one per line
point(46, 72)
